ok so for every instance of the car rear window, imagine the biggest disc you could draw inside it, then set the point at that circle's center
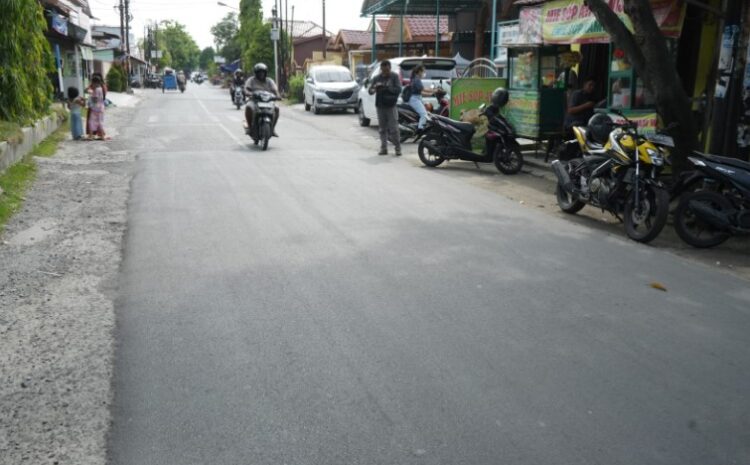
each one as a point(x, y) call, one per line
point(434, 69)
point(333, 75)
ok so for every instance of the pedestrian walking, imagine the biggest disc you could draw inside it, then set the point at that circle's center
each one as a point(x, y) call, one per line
point(89, 91)
point(75, 105)
point(387, 88)
point(96, 109)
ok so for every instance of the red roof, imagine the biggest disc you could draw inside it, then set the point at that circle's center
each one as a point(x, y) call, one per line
point(350, 37)
point(425, 25)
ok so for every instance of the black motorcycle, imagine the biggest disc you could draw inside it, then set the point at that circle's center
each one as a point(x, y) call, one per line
point(720, 208)
point(447, 139)
point(264, 109)
point(238, 96)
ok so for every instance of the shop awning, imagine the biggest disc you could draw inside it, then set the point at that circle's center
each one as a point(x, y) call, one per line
point(87, 53)
point(417, 7)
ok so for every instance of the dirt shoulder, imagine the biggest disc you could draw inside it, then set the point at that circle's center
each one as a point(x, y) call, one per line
point(60, 257)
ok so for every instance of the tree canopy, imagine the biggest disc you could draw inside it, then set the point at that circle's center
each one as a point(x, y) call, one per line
point(255, 36)
point(226, 37)
point(179, 48)
point(206, 58)
point(25, 60)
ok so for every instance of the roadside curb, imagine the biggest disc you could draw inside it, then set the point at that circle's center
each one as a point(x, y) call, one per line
point(32, 136)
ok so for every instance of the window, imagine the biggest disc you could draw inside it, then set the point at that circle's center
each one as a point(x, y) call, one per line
point(333, 75)
point(525, 70)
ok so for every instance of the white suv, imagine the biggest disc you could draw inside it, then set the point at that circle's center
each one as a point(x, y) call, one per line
point(438, 73)
point(330, 87)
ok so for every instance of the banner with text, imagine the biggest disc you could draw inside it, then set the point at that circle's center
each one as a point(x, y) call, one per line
point(572, 22)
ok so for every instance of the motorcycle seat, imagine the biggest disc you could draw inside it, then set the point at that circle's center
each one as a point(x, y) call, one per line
point(405, 106)
point(461, 126)
point(737, 163)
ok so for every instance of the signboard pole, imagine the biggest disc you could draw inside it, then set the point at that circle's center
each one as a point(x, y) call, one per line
point(494, 29)
point(437, 30)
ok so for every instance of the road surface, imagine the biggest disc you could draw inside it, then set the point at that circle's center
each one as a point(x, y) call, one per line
point(318, 304)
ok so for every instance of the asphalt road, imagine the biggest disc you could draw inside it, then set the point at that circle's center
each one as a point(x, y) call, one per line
point(318, 304)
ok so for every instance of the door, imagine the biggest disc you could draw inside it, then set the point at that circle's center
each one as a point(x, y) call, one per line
point(368, 101)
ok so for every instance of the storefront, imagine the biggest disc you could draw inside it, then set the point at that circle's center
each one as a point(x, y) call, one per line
point(555, 42)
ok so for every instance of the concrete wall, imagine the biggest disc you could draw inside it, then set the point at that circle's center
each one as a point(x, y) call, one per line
point(10, 154)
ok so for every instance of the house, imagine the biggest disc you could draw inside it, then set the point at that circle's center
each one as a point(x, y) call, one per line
point(418, 36)
point(69, 35)
point(307, 38)
point(348, 41)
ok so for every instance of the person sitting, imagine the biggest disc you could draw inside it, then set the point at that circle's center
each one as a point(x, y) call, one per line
point(238, 80)
point(417, 92)
point(260, 82)
point(581, 105)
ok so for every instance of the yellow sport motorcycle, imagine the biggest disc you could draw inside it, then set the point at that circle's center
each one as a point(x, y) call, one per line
point(618, 173)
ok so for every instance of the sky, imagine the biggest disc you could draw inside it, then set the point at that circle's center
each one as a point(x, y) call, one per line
point(199, 15)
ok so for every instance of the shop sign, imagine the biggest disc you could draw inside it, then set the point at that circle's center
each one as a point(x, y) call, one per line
point(572, 22)
point(507, 35)
point(522, 112)
point(59, 24)
point(647, 122)
point(743, 130)
point(468, 93)
point(530, 26)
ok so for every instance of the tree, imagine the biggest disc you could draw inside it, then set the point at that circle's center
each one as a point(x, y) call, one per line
point(180, 50)
point(646, 49)
point(207, 56)
point(25, 60)
point(255, 36)
point(226, 37)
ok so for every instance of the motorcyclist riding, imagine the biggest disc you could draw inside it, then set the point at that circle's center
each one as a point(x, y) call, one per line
point(238, 79)
point(260, 81)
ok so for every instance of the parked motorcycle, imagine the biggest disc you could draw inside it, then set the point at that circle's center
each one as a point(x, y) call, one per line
point(720, 208)
point(618, 172)
point(263, 115)
point(239, 97)
point(447, 139)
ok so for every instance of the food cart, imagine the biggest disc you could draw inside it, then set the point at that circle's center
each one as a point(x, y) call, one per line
point(536, 84)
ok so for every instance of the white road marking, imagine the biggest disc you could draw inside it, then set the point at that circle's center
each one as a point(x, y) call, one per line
point(153, 118)
point(215, 119)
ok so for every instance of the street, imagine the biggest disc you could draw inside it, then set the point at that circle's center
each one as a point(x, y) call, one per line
point(319, 304)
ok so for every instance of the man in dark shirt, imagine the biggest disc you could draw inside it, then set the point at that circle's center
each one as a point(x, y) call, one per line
point(581, 105)
point(387, 88)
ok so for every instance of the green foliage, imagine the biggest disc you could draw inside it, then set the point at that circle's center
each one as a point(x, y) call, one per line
point(14, 182)
point(255, 36)
point(180, 50)
point(207, 56)
point(116, 79)
point(227, 38)
point(10, 132)
point(25, 60)
point(296, 88)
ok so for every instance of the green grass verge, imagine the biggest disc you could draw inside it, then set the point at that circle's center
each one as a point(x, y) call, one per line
point(10, 132)
point(18, 178)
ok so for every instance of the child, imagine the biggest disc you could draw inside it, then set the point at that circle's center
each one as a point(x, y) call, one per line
point(96, 109)
point(75, 105)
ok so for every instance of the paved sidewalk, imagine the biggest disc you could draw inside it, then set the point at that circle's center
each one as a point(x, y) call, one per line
point(59, 260)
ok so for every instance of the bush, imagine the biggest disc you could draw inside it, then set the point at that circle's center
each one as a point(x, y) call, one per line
point(296, 88)
point(115, 79)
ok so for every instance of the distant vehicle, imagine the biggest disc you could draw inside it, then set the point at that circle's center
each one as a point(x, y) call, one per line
point(169, 80)
point(330, 88)
point(136, 81)
point(153, 81)
point(439, 72)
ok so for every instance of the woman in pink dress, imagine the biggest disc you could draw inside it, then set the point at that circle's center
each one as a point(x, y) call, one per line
point(96, 109)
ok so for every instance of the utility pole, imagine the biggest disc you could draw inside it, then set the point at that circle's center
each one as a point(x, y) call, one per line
point(325, 38)
point(122, 27)
point(291, 45)
point(127, 44)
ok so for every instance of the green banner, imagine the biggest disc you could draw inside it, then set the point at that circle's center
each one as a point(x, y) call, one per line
point(468, 93)
point(523, 112)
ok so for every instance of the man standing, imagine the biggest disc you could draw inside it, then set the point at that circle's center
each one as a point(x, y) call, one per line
point(581, 105)
point(387, 88)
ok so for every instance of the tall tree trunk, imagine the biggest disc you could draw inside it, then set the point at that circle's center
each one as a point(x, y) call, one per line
point(481, 26)
point(646, 48)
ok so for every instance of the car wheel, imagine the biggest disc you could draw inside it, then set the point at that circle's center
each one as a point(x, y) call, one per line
point(307, 105)
point(364, 122)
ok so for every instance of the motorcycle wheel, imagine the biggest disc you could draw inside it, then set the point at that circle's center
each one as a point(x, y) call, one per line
point(238, 104)
point(567, 202)
point(692, 229)
point(508, 160)
point(265, 132)
point(646, 225)
point(427, 154)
